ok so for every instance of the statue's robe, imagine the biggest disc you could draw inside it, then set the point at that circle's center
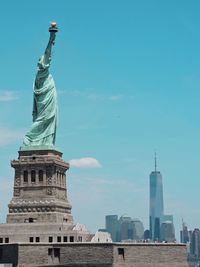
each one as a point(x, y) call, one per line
point(43, 130)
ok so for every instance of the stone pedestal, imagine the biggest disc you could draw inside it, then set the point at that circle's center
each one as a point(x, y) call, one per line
point(39, 211)
point(40, 193)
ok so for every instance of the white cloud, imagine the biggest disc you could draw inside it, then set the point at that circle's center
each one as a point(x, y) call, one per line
point(8, 136)
point(85, 163)
point(6, 96)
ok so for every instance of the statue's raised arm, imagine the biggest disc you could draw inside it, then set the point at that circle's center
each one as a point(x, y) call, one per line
point(44, 61)
point(47, 53)
point(43, 131)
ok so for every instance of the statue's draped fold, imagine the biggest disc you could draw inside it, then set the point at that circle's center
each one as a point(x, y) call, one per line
point(43, 130)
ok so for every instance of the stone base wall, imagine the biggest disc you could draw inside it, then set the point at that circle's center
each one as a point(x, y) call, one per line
point(94, 255)
point(40, 233)
point(150, 255)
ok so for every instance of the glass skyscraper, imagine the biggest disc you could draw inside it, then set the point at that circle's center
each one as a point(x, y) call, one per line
point(112, 226)
point(156, 203)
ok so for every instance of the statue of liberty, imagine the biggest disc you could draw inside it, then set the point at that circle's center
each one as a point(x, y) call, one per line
point(45, 111)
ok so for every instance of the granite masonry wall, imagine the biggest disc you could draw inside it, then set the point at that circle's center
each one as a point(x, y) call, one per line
point(94, 255)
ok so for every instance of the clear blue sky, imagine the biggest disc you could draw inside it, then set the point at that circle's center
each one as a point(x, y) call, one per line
point(128, 79)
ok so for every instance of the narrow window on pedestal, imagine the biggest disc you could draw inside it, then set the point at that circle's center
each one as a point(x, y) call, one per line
point(41, 176)
point(25, 176)
point(33, 176)
point(57, 173)
point(62, 179)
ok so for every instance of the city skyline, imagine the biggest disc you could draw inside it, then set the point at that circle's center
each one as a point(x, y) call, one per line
point(128, 82)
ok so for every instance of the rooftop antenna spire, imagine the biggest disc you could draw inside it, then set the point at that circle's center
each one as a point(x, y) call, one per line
point(155, 158)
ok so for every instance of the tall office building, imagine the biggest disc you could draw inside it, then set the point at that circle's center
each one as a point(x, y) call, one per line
point(156, 203)
point(139, 229)
point(167, 232)
point(195, 243)
point(112, 227)
point(184, 233)
point(161, 226)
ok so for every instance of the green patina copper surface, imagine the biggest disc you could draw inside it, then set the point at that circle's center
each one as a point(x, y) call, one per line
point(42, 134)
